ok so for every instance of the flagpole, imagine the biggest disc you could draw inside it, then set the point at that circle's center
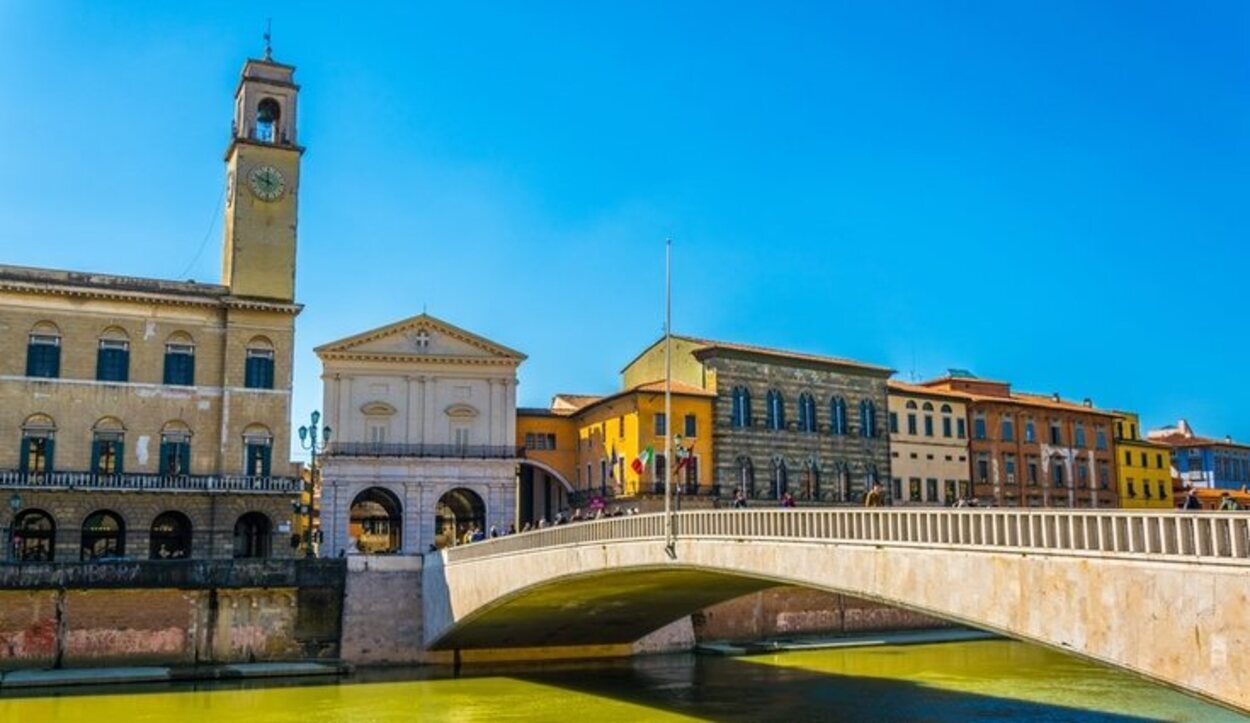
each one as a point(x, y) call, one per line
point(669, 520)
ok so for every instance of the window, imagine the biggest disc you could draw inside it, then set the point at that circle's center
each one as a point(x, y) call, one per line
point(913, 489)
point(107, 450)
point(1145, 489)
point(460, 439)
point(746, 477)
point(113, 357)
point(931, 489)
point(33, 536)
point(837, 415)
point(38, 441)
point(896, 488)
point(983, 468)
point(1162, 491)
point(741, 407)
point(252, 536)
point(951, 488)
point(1100, 437)
point(170, 537)
point(807, 413)
point(1082, 476)
point(1056, 432)
point(776, 411)
point(928, 425)
point(911, 423)
point(661, 424)
point(1032, 471)
point(1144, 463)
point(1009, 429)
point(946, 427)
point(267, 113)
point(620, 427)
point(1104, 475)
point(377, 432)
point(960, 428)
point(780, 481)
point(1056, 472)
point(180, 362)
point(1009, 464)
point(1128, 458)
point(1030, 432)
point(551, 439)
point(867, 418)
point(893, 422)
point(1132, 488)
point(1080, 434)
point(258, 369)
point(43, 352)
point(978, 427)
point(257, 448)
point(175, 450)
point(103, 535)
point(661, 468)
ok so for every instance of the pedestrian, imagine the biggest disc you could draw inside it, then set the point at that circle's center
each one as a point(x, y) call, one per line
point(740, 500)
point(874, 498)
point(1227, 503)
point(1191, 500)
point(787, 499)
point(494, 531)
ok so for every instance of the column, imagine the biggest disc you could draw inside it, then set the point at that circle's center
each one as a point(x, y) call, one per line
point(429, 432)
point(492, 434)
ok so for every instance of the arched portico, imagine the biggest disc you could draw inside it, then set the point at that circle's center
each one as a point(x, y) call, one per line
point(541, 491)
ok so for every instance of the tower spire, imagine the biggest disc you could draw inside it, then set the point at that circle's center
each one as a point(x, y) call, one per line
point(269, 39)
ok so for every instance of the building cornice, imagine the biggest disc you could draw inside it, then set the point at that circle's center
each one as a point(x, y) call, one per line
point(106, 293)
point(401, 357)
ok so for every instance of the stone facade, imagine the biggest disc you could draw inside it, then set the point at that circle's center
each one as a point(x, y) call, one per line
point(423, 415)
point(132, 396)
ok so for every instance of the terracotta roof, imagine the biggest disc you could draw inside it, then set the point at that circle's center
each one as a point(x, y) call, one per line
point(544, 412)
point(1180, 439)
point(576, 403)
point(1042, 401)
point(907, 388)
point(677, 388)
point(573, 402)
point(711, 344)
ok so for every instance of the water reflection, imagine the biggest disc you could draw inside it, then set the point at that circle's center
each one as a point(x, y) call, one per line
point(989, 680)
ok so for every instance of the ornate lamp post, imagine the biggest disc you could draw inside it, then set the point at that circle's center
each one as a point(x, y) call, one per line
point(15, 504)
point(313, 440)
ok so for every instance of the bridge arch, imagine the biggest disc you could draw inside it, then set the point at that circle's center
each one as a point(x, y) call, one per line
point(1058, 578)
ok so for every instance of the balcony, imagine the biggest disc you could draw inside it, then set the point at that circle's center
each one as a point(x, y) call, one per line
point(446, 451)
point(149, 482)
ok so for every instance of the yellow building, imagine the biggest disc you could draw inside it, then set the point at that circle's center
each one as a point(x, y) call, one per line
point(590, 444)
point(1143, 468)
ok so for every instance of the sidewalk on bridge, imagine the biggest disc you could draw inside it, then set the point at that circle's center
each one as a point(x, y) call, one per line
point(775, 645)
point(16, 679)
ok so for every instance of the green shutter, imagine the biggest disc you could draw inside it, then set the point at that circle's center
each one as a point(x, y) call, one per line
point(95, 456)
point(121, 456)
point(48, 449)
point(264, 460)
point(184, 458)
point(23, 461)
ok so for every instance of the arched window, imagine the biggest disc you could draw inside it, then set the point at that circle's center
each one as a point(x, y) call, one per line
point(180, 360)
point(375, 522)
point(928, 407)
point(38, 443)
point(946, 409)
point(807, 413)
point(746, 477)
point(811, 480)
point(258, 369)
point(837, 415)
point(33, 538)
point(459, 513)
point(843, 473)
point(113, 356)
point(911, 404)
point(43, 351)
point(107, 446)
point(257, 448)
point(103, 536)
point(175, 449)
point(779, 478)
point(867, 418)
point(267, 114)
point(741, 407)
point(776, 412)
point(252, 536)
point(870, 476)
point(170, 537)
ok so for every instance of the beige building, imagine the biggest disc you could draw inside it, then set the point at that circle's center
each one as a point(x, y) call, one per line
point(424, 448)
point(928, 446)
point(149, 418)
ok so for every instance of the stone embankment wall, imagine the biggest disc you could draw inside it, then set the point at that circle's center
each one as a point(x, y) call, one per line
point(795, 611)
point(168, 613)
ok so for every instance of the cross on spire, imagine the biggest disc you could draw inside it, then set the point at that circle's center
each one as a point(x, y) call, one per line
point(268, 38)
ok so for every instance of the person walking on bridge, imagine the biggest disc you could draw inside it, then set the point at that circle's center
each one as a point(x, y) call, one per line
point(875, 497)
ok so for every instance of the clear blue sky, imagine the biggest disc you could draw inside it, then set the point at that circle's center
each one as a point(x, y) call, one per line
point(1052, 193)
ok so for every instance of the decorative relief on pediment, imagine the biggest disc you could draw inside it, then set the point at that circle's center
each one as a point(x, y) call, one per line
point(377, 409)
point(461, 411)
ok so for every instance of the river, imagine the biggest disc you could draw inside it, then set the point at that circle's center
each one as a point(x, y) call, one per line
point(982, 681)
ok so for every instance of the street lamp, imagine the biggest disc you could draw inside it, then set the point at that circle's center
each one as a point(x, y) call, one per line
point(314, 441)
point(15, 504)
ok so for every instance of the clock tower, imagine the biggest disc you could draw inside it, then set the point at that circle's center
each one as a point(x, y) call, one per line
point(262, 184)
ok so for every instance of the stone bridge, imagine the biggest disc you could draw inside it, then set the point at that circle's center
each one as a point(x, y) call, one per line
point(1162, 594)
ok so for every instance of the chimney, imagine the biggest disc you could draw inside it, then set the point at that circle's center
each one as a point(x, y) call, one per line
point(1088, 402)
point(1228, 438)
point(1055, 396)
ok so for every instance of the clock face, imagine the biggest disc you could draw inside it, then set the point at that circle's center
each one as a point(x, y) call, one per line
point(266, 183)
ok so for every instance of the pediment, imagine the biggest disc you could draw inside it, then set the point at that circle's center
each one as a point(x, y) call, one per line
point(461, 411)
point(377, 409)
point(421, 336)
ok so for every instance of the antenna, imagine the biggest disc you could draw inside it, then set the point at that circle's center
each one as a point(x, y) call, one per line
point(268, 38)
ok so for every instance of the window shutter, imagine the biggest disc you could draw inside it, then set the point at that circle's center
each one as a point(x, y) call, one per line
point(24, 461)
point(95, 456)
point(264, 460)
point(169, 377)
point(49, 447)
point(121, 456)
point(184, 458)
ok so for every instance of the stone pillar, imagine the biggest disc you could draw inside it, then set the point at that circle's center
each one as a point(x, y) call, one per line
point(429, 433)
point(491, 431)
point(414, 541)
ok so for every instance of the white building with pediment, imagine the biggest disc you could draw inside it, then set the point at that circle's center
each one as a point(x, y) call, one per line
point(423, 445)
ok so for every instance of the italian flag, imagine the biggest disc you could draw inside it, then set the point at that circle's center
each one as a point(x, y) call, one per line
point(644, 458)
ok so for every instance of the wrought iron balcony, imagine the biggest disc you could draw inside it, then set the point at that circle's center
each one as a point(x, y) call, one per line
point(452, 451)
point(150, 482)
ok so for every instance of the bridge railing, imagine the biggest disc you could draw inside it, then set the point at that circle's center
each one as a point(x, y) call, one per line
point(1213, 537)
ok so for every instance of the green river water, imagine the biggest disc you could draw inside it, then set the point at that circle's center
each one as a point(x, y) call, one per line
point(971, 681)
